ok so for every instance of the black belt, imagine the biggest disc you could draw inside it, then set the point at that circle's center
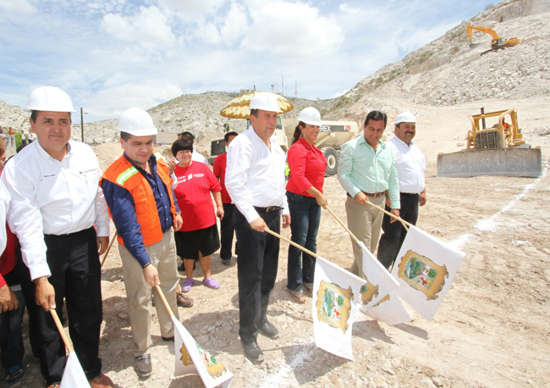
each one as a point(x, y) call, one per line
point(410, 194)
point(268, 209)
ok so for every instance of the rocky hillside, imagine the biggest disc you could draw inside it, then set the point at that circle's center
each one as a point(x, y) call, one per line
point(449, 71)
point(199, 114)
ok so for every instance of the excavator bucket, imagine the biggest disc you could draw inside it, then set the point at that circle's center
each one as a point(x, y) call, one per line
point(516, 161)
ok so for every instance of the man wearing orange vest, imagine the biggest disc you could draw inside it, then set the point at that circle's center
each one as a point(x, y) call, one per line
point(137, 188)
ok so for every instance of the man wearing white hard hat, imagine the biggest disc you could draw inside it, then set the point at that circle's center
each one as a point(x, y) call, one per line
point(411, 165)
point(56, 202)
point(138, 190)
point(255, 180)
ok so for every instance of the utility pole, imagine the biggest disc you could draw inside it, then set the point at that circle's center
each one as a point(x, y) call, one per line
point(82, 122)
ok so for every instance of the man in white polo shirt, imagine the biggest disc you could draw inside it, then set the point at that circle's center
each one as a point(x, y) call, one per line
point(411, 165)
point(59, 214)
point(255, 180)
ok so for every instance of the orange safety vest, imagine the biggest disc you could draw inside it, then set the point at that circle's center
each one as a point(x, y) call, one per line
point(125, 175)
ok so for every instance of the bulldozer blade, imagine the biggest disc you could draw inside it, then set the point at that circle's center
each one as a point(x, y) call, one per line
point(520, 162)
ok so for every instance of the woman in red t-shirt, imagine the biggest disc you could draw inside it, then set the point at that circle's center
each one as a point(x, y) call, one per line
point(305, 198)
point(198, 237)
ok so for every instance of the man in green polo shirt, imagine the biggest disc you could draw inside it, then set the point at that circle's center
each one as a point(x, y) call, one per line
point(367, 172)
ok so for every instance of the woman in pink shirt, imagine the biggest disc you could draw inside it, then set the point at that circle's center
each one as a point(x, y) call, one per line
point(305, 198)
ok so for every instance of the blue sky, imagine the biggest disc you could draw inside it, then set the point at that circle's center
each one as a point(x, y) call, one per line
point(110, 55)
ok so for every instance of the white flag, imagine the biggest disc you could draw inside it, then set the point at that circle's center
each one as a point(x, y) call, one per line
point(380, 283)
point(190, 357)
point(335, 296)
point(73, 375)
point(425, 268)
point(390, 310)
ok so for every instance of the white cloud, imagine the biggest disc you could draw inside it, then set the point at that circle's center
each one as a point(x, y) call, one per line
point(236, 23)
point(189, 9)
point(291, 30)
point(148, 28)
point(17, 6)
point(111, 102)
point(208, 33)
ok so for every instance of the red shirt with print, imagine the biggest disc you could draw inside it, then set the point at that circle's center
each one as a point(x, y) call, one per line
point(193, 193)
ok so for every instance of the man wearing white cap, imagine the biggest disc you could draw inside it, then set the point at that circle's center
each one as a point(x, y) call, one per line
point(55, 203)
point(411, 165)
point(138, 190)
point(255, 180)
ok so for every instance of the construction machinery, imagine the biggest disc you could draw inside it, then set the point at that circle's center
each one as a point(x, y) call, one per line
point(496, 150)
point(497, 43)
point(332, 135)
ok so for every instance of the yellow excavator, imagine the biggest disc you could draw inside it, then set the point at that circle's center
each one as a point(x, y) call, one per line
point(497, 43)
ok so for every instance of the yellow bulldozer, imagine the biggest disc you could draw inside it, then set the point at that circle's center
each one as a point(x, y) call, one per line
point(499, 149)
point(496, 44)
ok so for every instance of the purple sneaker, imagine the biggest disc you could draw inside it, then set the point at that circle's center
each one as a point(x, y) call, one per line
point(187, 284)
point(211, 283)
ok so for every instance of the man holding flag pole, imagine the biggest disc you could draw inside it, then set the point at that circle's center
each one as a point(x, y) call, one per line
point(138, 191)
point(255, 180)
point(410, 164)
point(367, 171)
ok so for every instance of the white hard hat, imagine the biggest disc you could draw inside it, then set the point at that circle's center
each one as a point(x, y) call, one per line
point(50, 99)
point(405, 117)
point(310, 116)
point(136, 122)
point(265, 101)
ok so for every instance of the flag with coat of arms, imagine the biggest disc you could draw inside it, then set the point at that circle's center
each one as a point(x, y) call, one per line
point(425, 268)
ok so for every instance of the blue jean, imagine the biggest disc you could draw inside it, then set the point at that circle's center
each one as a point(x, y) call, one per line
point(305, 217)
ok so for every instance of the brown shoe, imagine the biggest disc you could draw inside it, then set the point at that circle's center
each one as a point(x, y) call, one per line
point(143, 366)
point(101, 381)
point(183, 300)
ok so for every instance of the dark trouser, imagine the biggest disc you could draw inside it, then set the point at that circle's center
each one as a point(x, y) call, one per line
point(394, 233)
point(257, 264)
point(226, 231)
point(305, 217)
point(11, 335)
point(76, 276)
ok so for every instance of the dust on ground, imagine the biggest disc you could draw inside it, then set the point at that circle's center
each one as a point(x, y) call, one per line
point(490, 331)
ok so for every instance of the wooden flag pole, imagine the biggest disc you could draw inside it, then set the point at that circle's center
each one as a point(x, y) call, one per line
point(342, 223)
point(161, 294)
point(405, 223)
point(108, 249)
point(66, 340)
point(290, 242)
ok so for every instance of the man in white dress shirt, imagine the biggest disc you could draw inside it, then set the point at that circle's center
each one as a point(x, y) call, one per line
point(411, 165)
point(255, 180)
point(55, 203)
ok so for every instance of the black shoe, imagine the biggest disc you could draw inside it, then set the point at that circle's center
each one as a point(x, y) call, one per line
point(253, 352)
point(14, 377)
point(143, 366)
point(269, 330)
point(226, 262)
point(167, 339)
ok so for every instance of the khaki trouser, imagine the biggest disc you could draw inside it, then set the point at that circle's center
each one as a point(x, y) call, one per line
point(365, 222)
point(138, 291)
